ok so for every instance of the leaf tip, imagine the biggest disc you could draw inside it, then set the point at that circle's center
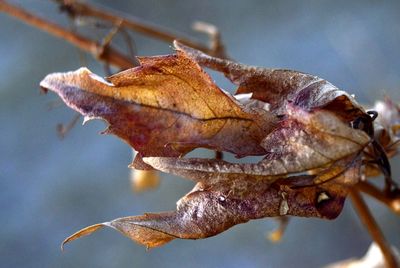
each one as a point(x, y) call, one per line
point(83, 232)
point(53, 80)
point(178, 46)
point(44, 84)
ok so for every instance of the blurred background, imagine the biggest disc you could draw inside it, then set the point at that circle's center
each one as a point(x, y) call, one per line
point(50, 188)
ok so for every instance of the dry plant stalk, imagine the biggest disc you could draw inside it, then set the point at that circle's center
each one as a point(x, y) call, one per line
point(318, 143)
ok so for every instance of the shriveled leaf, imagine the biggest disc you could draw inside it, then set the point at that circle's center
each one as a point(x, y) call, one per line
point(83, 232)
point(216, 204)
point(165, 107)
point(301, 141)
point(303, 125)
point(278, 87)
point(138, 228)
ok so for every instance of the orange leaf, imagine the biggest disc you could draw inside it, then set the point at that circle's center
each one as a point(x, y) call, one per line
point(310, 133)
point(165, 107)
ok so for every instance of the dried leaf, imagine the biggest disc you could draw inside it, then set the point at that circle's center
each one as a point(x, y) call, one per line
point(168, 106)
point(218, 203)
point(300, 142)
point(278, 87)
point(165, 107)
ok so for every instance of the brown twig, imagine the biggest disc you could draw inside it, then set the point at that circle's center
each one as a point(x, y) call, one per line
point(62, 129)
point(215, 42)
point(392, 203)
point(276, 235)
point(103, 53)
point(369, 222)
point(107, 53)
point(79, 9)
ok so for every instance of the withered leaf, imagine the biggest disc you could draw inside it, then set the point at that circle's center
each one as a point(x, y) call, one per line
point(168, 106)
point(277, 87)
point(217, 203)
point(165, 107)
point(301, 142)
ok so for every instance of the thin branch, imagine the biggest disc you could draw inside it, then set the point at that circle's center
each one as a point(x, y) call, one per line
point(103, 53)
point(369, 222)
point(78, 9)
point(62, 129)
point(215, 42)
point(392, 203)
point(276, 235)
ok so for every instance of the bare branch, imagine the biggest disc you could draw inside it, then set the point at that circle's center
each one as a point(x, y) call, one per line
point(215, 41)
point(369, 222)
point(103, 53)
point(62, 129)
point(78, 9)
point(392, 203)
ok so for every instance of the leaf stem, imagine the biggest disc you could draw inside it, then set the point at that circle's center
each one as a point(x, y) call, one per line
point(106, 53)
point(392, 203)
point(369, 222)
point(103, 53)
point(75, 8)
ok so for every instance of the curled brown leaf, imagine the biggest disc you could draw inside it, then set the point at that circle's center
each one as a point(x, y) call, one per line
point(168, 106)
point(277, 87)
point(218, 203)
point(300, 142)
point(165, 107)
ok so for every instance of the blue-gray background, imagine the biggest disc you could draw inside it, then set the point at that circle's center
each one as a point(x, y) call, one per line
point(51, 188)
